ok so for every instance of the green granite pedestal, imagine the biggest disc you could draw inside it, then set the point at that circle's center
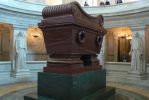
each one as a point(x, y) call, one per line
point(89, 85)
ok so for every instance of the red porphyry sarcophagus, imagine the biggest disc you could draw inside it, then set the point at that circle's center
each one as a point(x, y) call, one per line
point(72, 38)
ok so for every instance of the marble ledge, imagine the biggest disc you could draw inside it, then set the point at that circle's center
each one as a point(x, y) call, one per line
point(5, 62)
point(28, 62)
point(36, 62)
point(118, 63)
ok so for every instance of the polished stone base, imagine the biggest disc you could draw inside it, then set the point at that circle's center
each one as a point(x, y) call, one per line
point(89, 85)
point(70, 87)
point(36, 97)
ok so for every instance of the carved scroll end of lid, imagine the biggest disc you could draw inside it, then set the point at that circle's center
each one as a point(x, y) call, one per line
point(59, 10)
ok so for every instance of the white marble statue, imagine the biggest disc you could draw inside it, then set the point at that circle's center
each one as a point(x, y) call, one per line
point(101, 56)
point(136, 53)
point(20, 49)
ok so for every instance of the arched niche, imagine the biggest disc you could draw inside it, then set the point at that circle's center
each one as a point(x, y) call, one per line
point(6, 41)
point(35, 44)
point(117, 44)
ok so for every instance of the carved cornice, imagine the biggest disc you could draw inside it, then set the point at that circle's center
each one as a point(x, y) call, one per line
point(21, 7)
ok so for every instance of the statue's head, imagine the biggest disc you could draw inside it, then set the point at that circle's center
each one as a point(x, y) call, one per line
point(20, 34)
point(135, 34)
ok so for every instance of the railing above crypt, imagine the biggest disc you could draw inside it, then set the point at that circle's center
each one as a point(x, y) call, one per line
point(119, 9)
point(31, 8)
point(81, 2)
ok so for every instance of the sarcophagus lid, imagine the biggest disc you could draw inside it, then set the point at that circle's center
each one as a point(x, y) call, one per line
point(68, 29)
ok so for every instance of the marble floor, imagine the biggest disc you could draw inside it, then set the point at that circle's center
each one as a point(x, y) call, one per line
point(18, 95)
point(18, 90)
point(144, 91)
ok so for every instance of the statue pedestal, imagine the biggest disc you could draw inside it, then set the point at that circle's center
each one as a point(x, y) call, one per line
point(21, 73)
point(90, 85)
point(135, 75)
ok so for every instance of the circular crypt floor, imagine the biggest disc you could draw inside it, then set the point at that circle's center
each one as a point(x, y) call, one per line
point(123, 91)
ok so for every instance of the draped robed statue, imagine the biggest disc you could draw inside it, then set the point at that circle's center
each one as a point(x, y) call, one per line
point(136, 53)
point(20, 50)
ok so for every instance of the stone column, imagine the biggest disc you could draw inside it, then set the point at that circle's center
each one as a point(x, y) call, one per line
point(19, 67)
point(140, 73)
